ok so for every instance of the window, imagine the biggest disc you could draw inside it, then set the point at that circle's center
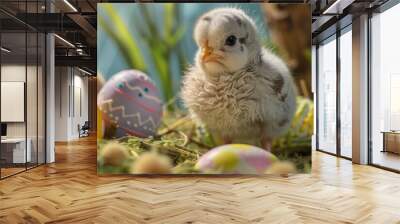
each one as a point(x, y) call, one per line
point(385, 89)
point(327, 95)
point(346, 92)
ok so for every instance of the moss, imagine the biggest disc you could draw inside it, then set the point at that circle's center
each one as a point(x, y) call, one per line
point(184, 142)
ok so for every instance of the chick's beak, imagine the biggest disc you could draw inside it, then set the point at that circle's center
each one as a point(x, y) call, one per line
point(207, 54)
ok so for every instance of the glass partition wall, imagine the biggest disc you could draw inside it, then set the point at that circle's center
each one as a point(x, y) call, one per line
point(334, 104)
point(13, 122)
point(22, 77)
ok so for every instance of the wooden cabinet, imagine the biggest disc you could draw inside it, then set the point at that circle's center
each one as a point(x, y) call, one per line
point(391, 142)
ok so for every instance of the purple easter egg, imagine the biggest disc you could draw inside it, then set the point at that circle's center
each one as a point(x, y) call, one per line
point(130, 101)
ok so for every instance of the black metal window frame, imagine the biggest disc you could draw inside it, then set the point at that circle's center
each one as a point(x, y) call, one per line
point(387, 5)
point(335, 36)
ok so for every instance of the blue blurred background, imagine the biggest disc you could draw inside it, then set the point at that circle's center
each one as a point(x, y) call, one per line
point(156, 38)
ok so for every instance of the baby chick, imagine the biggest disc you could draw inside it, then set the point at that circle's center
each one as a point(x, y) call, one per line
point(238, 89)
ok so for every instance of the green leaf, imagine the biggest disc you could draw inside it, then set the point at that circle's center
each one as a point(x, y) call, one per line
point(169, 11)
point(119, 32)
point(176, 37)
point(150, 23)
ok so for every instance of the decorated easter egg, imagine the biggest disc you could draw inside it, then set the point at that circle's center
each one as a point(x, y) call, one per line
point(236, 159)
point(130, 105)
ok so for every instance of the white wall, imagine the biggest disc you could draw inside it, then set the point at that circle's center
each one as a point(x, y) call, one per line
point(16, 73)
point(80, 110)
point(11, 73)
point(71, 94)
point(33, 127)
point(61, 103)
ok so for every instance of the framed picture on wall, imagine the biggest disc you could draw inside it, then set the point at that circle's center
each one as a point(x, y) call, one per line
point(207, 88)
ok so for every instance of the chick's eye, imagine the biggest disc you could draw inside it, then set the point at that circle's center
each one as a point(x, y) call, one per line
point(230, 41)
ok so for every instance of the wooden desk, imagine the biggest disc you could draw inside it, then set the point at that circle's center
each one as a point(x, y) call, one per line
point(391, 141)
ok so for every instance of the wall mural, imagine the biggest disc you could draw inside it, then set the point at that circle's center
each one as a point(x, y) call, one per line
point(210, 88)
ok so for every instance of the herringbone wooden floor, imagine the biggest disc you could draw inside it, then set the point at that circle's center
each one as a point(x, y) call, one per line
point(69, 191)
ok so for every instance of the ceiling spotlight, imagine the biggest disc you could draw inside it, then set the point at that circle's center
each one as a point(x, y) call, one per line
point(5, 50)
point(70, 5)
point(65, 41)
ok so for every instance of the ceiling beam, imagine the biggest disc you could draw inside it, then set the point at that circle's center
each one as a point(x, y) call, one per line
point(84, 24)
point(78, 61)
point(337, 7)
point(49, 22)
point(320, 22)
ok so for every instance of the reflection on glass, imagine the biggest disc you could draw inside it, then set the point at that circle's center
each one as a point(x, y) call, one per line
point(22, 92)
point(31, 99)
point(385, 84)
point(394, 101)
point(346, 94)
point(41, 99)
point(327, 96)
point(14, 153)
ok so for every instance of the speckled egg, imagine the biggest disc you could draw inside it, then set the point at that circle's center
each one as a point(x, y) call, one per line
point(236, 159)
point(130, 103)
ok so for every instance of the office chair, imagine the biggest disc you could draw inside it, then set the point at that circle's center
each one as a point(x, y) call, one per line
point(84, 130)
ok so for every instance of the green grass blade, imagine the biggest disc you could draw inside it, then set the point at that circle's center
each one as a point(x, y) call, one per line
point(120, 34)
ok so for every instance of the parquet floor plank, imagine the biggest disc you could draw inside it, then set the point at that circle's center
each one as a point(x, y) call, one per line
point(69, 191)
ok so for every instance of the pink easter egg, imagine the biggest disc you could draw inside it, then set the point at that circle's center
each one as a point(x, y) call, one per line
point(130, 102)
